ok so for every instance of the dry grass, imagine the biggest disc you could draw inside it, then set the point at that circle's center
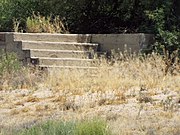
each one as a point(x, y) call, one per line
point(121, 73)
point(35, 94)
point(39, 24)
point(118, 74)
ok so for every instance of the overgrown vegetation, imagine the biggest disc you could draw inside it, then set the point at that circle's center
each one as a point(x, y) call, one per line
point(75, 90)
point(13, 75)
point(125, 70)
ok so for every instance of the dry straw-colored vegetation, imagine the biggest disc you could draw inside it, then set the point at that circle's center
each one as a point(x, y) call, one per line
point(118, 73)
point(38, 24)
point(33, 94)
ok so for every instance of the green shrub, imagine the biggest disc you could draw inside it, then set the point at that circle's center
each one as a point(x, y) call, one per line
point(166, 28)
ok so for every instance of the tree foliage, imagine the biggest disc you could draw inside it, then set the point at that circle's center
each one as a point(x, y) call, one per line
point(160, 17)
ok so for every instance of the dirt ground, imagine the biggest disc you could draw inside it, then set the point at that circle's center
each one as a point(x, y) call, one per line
point(135, 111)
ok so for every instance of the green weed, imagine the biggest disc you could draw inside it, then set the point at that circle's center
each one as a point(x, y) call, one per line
point(8, 62)
point(89, 127)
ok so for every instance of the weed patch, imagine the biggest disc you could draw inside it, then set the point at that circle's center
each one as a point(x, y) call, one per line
point(8, 62)
point(86, 127)
point(39, 24)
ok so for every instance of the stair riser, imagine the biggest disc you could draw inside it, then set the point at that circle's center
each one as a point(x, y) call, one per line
point(2, 45)
point(65, 62)
point(85, 55)
point(52, 37)
point(62, 70)
point(75, 47)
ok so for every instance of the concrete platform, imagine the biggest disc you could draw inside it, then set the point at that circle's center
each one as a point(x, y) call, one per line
point(79, 38)
point(68, 67)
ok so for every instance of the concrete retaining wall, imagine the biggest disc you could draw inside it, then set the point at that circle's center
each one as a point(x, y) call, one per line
point(8, 43)
point(2, 41)
point(120, 42)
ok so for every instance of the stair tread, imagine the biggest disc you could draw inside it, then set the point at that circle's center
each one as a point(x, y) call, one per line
point(68, 43)
point(50, 50)
point(72, 51)
point(74, 67)
point(55, 37)
point(73, 59)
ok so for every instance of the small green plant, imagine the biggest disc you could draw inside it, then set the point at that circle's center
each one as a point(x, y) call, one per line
point(39, 24)
point(16, 24)
point(92, 127)
point(8, 62)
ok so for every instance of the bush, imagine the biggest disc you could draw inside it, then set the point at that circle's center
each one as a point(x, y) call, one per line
point(166, 28)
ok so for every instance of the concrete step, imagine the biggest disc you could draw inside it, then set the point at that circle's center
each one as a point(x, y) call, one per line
point(27, 45)
point(67, 67)
point(59, 53)
point(87, 71)
point(63, 61)
point(79, 38)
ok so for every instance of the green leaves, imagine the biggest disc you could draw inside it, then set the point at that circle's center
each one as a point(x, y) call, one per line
point(165, 27)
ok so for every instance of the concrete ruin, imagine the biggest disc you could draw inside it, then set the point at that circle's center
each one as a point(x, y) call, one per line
point(69, 50)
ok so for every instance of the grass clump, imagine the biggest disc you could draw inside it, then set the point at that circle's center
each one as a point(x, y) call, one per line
point(89, 127)
point(50, 128)
point(8, 62)
point(40, 24)
point(92, 127)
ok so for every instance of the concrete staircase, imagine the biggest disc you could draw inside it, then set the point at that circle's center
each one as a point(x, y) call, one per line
point(58, 50)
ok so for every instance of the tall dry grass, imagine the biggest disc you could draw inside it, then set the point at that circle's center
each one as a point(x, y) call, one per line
point(39, 24)
point(120, 72)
